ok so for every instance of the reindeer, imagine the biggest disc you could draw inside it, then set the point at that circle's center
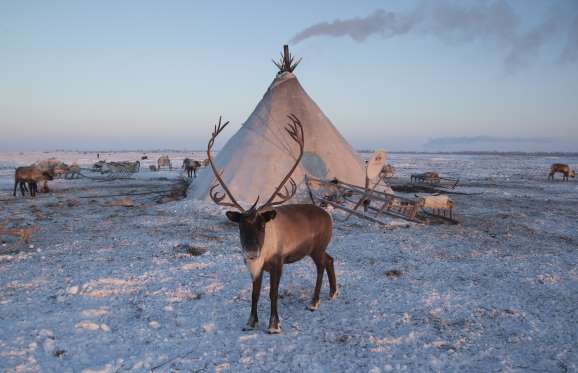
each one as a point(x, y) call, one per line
point(164, 160)
point(564, 169)
point(31, 175)
point(272, 236)
point(51, 166)
point(191, 166)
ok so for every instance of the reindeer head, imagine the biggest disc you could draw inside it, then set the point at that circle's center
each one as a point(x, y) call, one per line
point(48, 175)
point(251, 229)
point(252, 222)
point(572, 173)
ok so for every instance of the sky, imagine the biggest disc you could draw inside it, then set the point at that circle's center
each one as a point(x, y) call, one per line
point(399, 75)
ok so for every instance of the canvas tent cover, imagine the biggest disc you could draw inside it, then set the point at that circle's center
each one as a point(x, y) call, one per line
point(260, 154)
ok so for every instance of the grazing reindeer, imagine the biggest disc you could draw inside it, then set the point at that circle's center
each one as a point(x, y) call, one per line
point(31, 175)
point(272, 236)
point(51, 166)
point(191, 166)
point(564, 169)
point(164, 161)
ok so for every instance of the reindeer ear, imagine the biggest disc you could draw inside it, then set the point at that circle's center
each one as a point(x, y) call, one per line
point(233, 216)
point(269, 215)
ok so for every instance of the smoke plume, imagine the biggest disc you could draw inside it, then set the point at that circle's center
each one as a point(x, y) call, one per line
point(492, 23)
point(570, 51)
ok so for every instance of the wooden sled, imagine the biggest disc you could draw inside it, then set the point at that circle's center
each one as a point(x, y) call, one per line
point(349, 198)
point(434, 180)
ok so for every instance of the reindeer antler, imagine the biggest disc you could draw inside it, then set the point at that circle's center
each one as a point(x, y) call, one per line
point(295, 130)
point(215, 195)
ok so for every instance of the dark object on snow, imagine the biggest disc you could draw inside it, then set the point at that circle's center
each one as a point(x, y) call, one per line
point(394, 273)
point(192, 250)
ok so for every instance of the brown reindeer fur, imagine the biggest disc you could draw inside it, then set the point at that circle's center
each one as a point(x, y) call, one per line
point(191, 166)
point(564, 169)
point(31, 175)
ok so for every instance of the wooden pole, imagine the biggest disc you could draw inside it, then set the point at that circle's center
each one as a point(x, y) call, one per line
point(286, 58)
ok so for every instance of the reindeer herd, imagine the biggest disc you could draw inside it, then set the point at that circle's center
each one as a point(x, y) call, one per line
point(27, 178)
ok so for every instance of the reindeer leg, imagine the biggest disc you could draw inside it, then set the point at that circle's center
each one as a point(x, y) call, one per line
point(22, 188)
point(275, 275)
point(15, 186)
point(333, 291)
point(320, 264)
point(253, 319)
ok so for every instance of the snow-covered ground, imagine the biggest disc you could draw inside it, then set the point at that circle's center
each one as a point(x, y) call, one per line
point(108, 284)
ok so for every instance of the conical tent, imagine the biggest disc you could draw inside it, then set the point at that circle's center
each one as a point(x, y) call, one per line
point(259, 155)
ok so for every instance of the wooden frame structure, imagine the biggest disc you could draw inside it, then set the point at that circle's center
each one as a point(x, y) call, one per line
point(286, 62)
point(433, 179)
point(348, 197)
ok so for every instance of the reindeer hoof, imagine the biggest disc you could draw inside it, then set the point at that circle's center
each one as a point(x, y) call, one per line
point(313, 306)
point(252, 324)
point(249, 327)
point(274, 330)
point(334, 294)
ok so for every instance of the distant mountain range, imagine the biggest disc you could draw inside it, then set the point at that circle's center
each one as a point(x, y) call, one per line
point(501, 144)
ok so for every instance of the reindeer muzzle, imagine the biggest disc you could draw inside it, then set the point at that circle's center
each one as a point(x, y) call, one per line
point(251, 256)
